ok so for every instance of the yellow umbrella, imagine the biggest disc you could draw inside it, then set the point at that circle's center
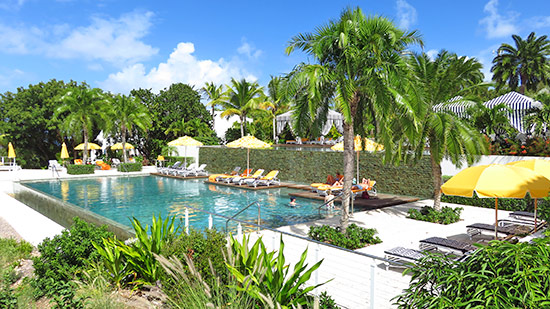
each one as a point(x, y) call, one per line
point(90, 146)
point(185, 141)
point(11, 151)
point(64, 152)
point(248, 142)
point(539, 166)
point(496, 180)
point(118, 146)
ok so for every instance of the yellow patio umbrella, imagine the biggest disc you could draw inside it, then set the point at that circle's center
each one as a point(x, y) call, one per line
point(118, 146)
point(248, 142)
point(64, 152)
point(539, 166)
point(91, 146)
point(498, 181)
point(11, 151)
point(185, 141)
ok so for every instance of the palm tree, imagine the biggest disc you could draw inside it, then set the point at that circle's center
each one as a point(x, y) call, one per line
point(241, 98)
point(276, 101)
point(439, 81)
point(538, 120)
point(490, 121)
point(214, 94)
point(357, 57)
point(84, 108)
point(194, 127)
point(526, 63)
point(127, 112)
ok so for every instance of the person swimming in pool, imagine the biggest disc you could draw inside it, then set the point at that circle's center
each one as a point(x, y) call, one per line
point(292, 202)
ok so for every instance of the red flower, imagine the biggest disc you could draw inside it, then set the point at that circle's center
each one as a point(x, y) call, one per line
point(525, 151)
point(513, 152)
point(522, 146)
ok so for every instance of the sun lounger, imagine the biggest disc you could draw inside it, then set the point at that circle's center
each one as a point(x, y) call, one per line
point(247, 180)
point(229, 179)
point(446, 245)
point(268, 180)
point(502, 231)
point(53, 165)
point(182, 169)
point(403, 255)
point(199, 171)
point(116, 162)
point(162, 170)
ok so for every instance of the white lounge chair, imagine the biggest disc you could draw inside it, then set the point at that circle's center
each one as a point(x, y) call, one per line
point(53, 165)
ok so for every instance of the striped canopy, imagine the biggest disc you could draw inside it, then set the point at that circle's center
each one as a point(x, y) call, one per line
point(518, 103)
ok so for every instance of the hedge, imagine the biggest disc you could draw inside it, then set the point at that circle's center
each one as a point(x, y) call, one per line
point(80, 169)
point(129, 167)
point(313, 166)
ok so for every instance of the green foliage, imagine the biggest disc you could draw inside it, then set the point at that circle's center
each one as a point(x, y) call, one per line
point(327, 302)
point(64, 256)
point(314, 166)
point(355, 237)
point(187, 289)
point(265, 276)
point(80, 169)
point(500, 275)
point(234, 132)
point(536, 146)
point(446, 215)
point(27, 119)
point(138, 258)
point(130, 167)
point(11, 252)
point(204, 248)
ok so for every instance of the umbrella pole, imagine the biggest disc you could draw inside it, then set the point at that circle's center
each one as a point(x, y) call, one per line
point(357, 167)
point(247, 161)
point(185, 157)
point(496, 217)
point(535, 215)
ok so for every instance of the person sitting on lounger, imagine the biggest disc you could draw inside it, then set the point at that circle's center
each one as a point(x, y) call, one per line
point(330, 180)
point(339, 177)
point(365, 184)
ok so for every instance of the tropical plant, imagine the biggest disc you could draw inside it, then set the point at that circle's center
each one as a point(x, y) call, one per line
point(446, 215)
point(358, 59)
point(194, 127)
point(82, 108)
point(277, 101)
point(265, 276)
point(499, 275)
point(240, 98)
point(537, 120)
point(524, 65)
point(213, 93)
point(355, 237)
point(113, 260)
point(127, 112)
point(490, 120)
point(438, 81)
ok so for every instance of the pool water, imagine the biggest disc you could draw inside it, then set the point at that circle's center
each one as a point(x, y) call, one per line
point(121, 198)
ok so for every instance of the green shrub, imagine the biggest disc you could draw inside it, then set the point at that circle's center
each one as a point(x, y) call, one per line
point(446, 215)
point(80, 169)
point(204, 248)
point(500, 275)
point(327, 302)
point(355, 237)
point(265, 275)
point(65, 256)
point(129, 167)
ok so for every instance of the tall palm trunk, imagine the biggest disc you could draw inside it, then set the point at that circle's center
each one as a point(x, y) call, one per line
point(85, 151)
point(274, 131)
point(124, 156)
point(523, 81)
point(348, 175)
point(243, 119)
point(436, 172)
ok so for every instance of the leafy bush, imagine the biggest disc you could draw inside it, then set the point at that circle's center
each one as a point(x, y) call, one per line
point(138, 258)
point(204, 248)
point(327, 302)
point(80, 169)
point(129, 167)
point(500, 275)
point(265, 277)
point(65, 256)
point(446, 215)
point(355, 237)
point(11, 252)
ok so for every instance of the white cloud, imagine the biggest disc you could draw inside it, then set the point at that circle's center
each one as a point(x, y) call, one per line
point(115, 41)
point(432, 54)
point(11, 4)
point(406, 14)
point(249, 51)
point(497, 25)
point(182, 66)
point(539, 22)
point(485, 57)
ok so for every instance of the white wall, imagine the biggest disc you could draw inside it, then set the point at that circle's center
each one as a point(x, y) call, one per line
point(447, 167)
point(192, 151)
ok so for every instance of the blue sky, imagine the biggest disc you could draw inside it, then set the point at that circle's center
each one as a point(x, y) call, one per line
point(119, 45)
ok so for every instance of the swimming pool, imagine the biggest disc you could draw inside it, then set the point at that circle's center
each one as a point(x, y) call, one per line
point(121, 198)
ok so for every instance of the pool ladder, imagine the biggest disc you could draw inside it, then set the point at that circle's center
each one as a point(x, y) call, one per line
point(240, 211)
